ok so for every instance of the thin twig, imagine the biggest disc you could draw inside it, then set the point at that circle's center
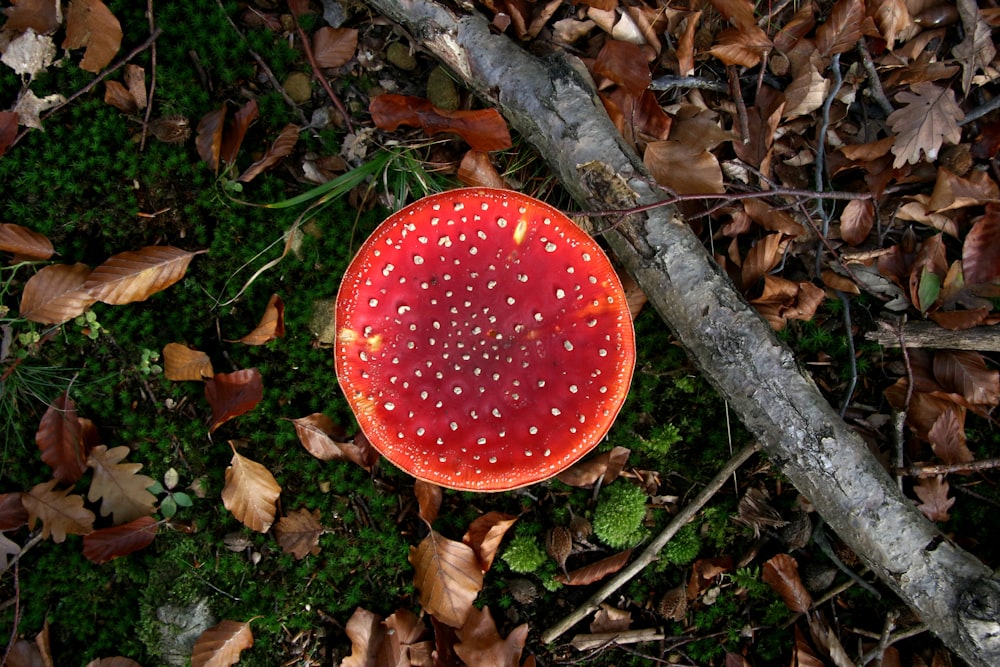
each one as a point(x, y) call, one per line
point(318, 74)
point(90, 86)
point(152, 78)
point(935, 469)
point(981, 111)
point(874, 83)
point(652, 551)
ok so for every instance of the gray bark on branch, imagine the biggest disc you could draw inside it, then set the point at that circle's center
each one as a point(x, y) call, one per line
point(551, 101)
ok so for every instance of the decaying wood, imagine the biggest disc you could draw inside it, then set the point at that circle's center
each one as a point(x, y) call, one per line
point(550, 100)
point(930, 335)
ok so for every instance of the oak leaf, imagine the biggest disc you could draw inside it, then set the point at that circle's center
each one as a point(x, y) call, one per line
point(123, 492)
point(448, 576)
point(56, 294)
point(233, 394)
point(251, 493)
point(781, 573)
point(298, 533)
point(60, 439)
point(91, 24)
point(929, 116)
point(180, 362)
point(61, 514)
point(139, 274)
point(24, 242)
point(106, 544)
point(221, 645)
point(480, 643)
point(485, 534)
point(271, 325)
point(947, 437)
point(933, 495)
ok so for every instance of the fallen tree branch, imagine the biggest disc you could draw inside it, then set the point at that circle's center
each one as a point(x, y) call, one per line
point(550, 100)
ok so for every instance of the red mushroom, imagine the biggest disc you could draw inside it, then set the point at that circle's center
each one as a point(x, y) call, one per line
point(483, 340)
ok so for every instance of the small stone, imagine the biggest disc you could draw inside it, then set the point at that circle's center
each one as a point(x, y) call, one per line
point(298, 85)
point(400, 56)
point(179, 628)
point(441, 90)
point(523, 590)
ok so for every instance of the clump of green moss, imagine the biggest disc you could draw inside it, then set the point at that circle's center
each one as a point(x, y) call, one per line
point(524, 555)
point(683, 548)
point(619, 514)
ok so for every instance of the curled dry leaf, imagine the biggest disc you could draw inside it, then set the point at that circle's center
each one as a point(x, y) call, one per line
point(483, 130)
point(61, 513)
point(233, 394)
point(480, 643)
point(208, 137)
point(181, 362)
point(56, 294)
point(221, 645)
point(60, 439)
point(781, 573)
point(429, 497)
point(118, 96)
point(8, 127)
point(588, 574)
point(282, 146)
point(91, 24)
point(485, 534)
point(235, 130)
point(24, 243)
point(394, 641)
point(477, 170)
point(271, 325)
point(784, 300)
point(448, 576)
point(951, 191)
point(251, 493)
point(607, 465)
point(12, 512)
point(298, 533)
point(106, 544)
point(612, 619)
point(327, 441)
point(137, 275)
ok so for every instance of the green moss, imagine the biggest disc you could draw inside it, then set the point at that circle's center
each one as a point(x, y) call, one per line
point(619, 514)
point(523, 554)
point(683, 548)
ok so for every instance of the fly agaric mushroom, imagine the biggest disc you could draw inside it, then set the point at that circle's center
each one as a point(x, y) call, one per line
point(483, 340)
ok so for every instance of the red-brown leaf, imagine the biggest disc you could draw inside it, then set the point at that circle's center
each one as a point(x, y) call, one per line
point(235, 130)
point(56, 294)
point(118, 96)
point(271, 325)
point(334, 47)
point(947, 437)
point(842, 29)
point(298, 533)
point(448, 576)
point(965, 372)
point(485, 534)
point(981, 250)
point(483, 130)
point(24, 242)
point(60, 439)
point(233, 394)
point(429, 497)
point(221, 645)
point(782, 574)
point(105, 544)
point(481, 644)
point(8, 129)
point(208, 138)
point(856, 221)
point(12, 512)
point(588, 574)
point(327, 441)
point(933, 495)
point(626, 64)
point(702, 173)
point(90, 23)
point(137, 275)
point(477, 170)
point(281, 147)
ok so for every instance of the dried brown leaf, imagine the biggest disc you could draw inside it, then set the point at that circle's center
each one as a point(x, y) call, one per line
point(976, 51)
point(952, 191)
point(8, 130)
point(856, 221)
point(39, 15)
point(480, 643)
point(804, 655)
point(744, 48)
point(60, 440)
point(208, 137)
point(429, 497)
point(485, 534)
point(137, 275)
point(106, 544)
point(56, 294)
point(117, 661)
point(625, 64)
point(181, 362)
point(251, 493)
point(123, 492)
point(947, 437)
point(965, 372)
point(334, 47)
point(765, 255)
point(233, 394)
point(235, 130)
point(808, 89)
point(981, 249)
point(781, 573)
point(271, 325)
point(282, 147)
point(61, 513)
point(135, 81)
point(12, 512)
point(607, 465)
point(826, 638)
point(448, 576)
point(367, 634)
point(298, 533)
point(24, 243)
point(118, 96)
point(476, 170)
point(613, 619)
point(588, 574)
point(483, 129)
point(221, 645)
point(91, 24)
point(891, 17)
point(929, 117)
point(933, 495)
point(842, 28)
point(701, 174)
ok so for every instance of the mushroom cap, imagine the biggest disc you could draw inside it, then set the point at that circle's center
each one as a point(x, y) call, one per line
point(483, 340)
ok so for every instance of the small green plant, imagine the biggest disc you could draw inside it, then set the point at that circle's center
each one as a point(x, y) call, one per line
point(147, 364)
point(173, 499)
point(524, 555)
point(662, 439)
point(619, 515)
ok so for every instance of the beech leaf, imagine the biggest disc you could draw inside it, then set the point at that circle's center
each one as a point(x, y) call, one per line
point(334, 47)
point(483, 129)
point(8, 127)
point(448, 577)
point(61, 514)
point(588, 574)
point(235, 130)
point(271, 325)
point(56, 294)
point(251, 493)
point(981, 249)
point(123, 492)
point(965, 372)
point(281, 147)
point(429, 497)
point(929, 117)
point(856, 221)
point(106, 544)
point(701, 174)
point(180, 362)
point(233, 394)
point(24, 243)
point(12, 512)
point(91, 24)
point(298, 533)
point(137, 275)
point(60, 439)
point(842, 29)
point(781, 573)
point(221, 645)
point(607, 465)
point(485, 534)
point(208, 137)
point(326, 441)
point(947, 437)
